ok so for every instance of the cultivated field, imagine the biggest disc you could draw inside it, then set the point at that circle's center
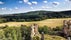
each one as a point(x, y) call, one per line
point(48, 22)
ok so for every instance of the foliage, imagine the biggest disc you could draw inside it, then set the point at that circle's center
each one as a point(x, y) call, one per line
point(23, 33)
point(2, 36)
point(51, 31)
point(44, 29)
point(36, 38)
point(57, 28)
point(13, 33)
point(2, 20)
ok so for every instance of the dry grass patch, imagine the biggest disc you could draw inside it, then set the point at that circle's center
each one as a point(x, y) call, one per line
point(48, 22)
point(50, 37)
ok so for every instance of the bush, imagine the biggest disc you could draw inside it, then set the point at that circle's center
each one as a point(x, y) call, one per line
point(2, 36)
point(13, 33)
point(58, 28)
point(44, 29)
point(25, 32)
point(36, 38)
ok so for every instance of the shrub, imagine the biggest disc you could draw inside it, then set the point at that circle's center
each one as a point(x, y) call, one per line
point(36, 38)
point(44, 29)
point(25, 32)
point(13, 33)
point(2, 36)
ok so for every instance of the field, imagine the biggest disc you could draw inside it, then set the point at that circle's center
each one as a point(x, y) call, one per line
point(48, 22)
point(50, 37)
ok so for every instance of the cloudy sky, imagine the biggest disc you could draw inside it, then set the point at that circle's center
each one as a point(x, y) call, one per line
point(21, 6)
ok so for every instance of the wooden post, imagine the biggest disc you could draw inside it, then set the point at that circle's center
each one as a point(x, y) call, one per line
point(68, 38)
point(42, 36)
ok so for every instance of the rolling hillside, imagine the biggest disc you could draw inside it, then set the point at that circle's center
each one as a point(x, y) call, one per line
point(48, 22)
point(48, 18)
point(34, 16)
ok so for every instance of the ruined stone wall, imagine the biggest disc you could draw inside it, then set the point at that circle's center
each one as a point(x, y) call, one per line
point(34, 30)
point(67, 27)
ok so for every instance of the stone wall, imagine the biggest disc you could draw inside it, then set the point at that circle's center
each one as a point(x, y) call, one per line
point(67, 28)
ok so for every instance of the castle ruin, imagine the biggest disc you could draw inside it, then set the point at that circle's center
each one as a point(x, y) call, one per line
point(34, 31)
point(67, 28)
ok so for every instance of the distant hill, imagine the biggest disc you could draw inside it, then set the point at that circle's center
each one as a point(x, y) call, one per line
point(35, 16)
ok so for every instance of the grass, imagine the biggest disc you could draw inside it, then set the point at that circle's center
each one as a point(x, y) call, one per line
point(50, 37)
point(48, 22)
point(46, 36)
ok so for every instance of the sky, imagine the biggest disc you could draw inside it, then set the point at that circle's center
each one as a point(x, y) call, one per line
point(22, 6)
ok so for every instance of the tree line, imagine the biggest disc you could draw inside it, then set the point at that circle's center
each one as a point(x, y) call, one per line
point(34, 16)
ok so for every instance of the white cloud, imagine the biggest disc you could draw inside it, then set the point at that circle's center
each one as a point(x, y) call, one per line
point(26, 1)
point(20, 1)
point(68, 0)
point(34, 2)
point(45, 7)
point(10, 9)
point(16, 7)
point(55, 3)
point(68, 8)
point(1, 2)
point(32, 8)
point(3, 8)
point(29, 3)
point(45, 1)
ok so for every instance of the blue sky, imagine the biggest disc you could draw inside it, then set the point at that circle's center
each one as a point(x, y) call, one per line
point(21, 6)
